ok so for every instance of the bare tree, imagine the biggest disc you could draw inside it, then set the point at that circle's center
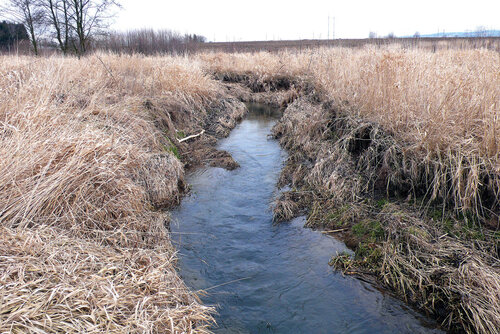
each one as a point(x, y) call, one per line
point(28, 13)
point(149, 41)
point(73, 24)
point(57, 17)
point(89, 18)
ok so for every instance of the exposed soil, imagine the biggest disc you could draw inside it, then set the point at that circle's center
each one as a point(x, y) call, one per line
point(204, 127)
point(348, 175)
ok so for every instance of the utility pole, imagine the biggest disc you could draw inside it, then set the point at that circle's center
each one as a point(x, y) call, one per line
point(333, 28)
point(328, 36)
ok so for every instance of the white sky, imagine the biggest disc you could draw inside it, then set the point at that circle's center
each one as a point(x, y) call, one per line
point(236, 20)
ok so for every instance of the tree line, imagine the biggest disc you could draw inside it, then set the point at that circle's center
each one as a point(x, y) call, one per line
point(11, 34)
point(149, 42)
point(80, 26)
point(69, 24)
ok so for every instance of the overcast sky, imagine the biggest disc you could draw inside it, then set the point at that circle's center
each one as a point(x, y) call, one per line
point(227, 20)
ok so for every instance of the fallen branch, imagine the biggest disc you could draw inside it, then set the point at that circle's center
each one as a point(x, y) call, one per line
point(192, 136)
point(334, 231)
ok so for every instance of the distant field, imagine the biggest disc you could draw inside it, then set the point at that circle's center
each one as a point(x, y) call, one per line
point(441, 43)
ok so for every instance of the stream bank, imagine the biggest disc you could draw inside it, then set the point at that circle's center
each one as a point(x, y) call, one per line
point(355, 180)
point(349, 176)
point(268, 278)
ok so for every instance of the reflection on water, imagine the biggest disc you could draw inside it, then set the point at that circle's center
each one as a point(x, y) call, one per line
point(266, 278)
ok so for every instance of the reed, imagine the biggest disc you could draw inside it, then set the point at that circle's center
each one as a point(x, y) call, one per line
point(442, 107)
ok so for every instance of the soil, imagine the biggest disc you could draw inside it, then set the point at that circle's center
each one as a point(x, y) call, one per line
point(338, 172)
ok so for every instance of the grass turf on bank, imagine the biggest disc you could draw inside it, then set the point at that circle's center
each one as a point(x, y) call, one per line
point(446, 266)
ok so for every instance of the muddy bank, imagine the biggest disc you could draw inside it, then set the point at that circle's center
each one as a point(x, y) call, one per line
point(276, 92)
point(190, 136)
point(355, 180)
point(349, 176)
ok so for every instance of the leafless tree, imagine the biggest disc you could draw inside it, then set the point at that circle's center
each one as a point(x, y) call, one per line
point(28, 13)
point(73, 24)
point(57, 17)
point(89, 18)
point(149, 41)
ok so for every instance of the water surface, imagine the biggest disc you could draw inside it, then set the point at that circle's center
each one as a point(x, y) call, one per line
point(268, 278)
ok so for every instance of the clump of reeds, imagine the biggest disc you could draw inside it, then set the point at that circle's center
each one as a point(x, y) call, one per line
point(441, 106)
point(53, 282)
point(344, 162)
point(441, 274)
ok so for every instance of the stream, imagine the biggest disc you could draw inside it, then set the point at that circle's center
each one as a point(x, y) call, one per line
point(267, 278)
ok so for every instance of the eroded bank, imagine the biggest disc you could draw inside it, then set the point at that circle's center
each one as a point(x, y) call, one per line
point(352, 177)
point(266, 277)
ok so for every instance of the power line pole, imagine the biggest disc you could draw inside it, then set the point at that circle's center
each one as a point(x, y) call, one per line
point(328, 36)
point(333, 28)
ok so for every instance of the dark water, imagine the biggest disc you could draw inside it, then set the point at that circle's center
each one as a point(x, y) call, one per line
point(267, 278)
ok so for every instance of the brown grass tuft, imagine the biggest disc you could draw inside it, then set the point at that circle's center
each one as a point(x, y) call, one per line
point(341, 163)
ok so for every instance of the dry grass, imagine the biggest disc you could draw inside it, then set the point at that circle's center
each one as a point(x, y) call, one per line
point(443, 107)
point(53, 282)
point(77, 142)
point(86, 155)
point(87, 145)
point(447, 267)
point(442, 274)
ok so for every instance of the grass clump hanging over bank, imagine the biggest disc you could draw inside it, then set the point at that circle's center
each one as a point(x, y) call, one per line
point(84, 167)
point(381, 141)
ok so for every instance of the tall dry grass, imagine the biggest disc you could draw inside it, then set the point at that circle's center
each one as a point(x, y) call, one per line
point(406, 118)
point(83, 162)
point(443, 106)
point(76, 134)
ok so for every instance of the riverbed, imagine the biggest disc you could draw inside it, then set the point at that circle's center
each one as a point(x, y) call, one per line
point(267, 278)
